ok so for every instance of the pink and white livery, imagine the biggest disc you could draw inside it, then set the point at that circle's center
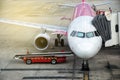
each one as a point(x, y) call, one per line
point(83, 37)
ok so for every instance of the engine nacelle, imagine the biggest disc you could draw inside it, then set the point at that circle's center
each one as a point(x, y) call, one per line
point(41, 41)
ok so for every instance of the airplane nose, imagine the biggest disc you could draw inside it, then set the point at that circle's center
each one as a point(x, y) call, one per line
point(86, 50)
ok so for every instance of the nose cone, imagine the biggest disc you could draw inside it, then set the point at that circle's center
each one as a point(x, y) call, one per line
point(86, 48)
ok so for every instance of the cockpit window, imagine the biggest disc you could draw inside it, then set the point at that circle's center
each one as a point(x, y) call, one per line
point(90, 34)
point(84, 35)
point(80, 34)
point(73, 33)
point(96, 33)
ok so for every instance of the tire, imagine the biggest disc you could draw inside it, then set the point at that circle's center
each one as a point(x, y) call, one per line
point(28, 61)
point(53, 61)
point(56, 42)
point(62, 42)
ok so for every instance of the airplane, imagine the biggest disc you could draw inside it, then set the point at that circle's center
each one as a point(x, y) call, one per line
point(83, 38)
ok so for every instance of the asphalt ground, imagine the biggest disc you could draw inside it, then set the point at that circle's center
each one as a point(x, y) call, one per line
point(16, 39)
point(104, 66)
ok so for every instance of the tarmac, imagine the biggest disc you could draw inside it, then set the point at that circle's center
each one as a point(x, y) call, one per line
point(104, 66)
point(16, 39)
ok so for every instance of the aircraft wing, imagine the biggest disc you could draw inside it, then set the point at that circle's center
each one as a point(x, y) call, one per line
point(73, 5)
point(68, 5)
point(35, 25)
point(104, 3)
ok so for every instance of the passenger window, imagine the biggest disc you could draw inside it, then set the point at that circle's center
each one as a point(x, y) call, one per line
point(80, 34)
point(89, 34)
point(73, 33)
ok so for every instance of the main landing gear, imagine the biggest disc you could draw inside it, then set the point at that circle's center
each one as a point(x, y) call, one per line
point(58, 40)
point(85, 65)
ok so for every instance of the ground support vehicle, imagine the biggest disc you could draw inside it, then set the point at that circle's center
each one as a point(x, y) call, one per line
point(51, 57)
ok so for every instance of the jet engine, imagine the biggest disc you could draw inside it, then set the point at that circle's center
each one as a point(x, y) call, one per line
point(41, 41)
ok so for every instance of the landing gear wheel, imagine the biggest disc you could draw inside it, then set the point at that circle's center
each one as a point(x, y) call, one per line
point(85, 66)
point(56, 42)
point(62, 42)
point(53, 61)
point(28, 61)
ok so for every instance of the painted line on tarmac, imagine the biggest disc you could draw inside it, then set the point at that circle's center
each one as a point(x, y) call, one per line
point(51, 77)
point(33, 69)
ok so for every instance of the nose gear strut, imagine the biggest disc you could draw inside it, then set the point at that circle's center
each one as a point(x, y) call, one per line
point(85, 65)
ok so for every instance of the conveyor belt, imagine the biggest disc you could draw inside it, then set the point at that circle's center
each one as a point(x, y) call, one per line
point(20, 56)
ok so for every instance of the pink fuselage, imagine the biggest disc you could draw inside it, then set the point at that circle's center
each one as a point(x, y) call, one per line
point(80, 28)
point(83, 9)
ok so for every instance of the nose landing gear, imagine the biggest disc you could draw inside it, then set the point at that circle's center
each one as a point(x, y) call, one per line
point(85, 65)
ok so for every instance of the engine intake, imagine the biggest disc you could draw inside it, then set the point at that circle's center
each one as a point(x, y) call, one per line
point(41, 41)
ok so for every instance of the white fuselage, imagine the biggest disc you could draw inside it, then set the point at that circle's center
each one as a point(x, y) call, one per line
point(83, 38)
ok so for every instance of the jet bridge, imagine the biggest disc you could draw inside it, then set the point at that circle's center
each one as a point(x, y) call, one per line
point(108, 27)
point(103, 26)
point(115, 37)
